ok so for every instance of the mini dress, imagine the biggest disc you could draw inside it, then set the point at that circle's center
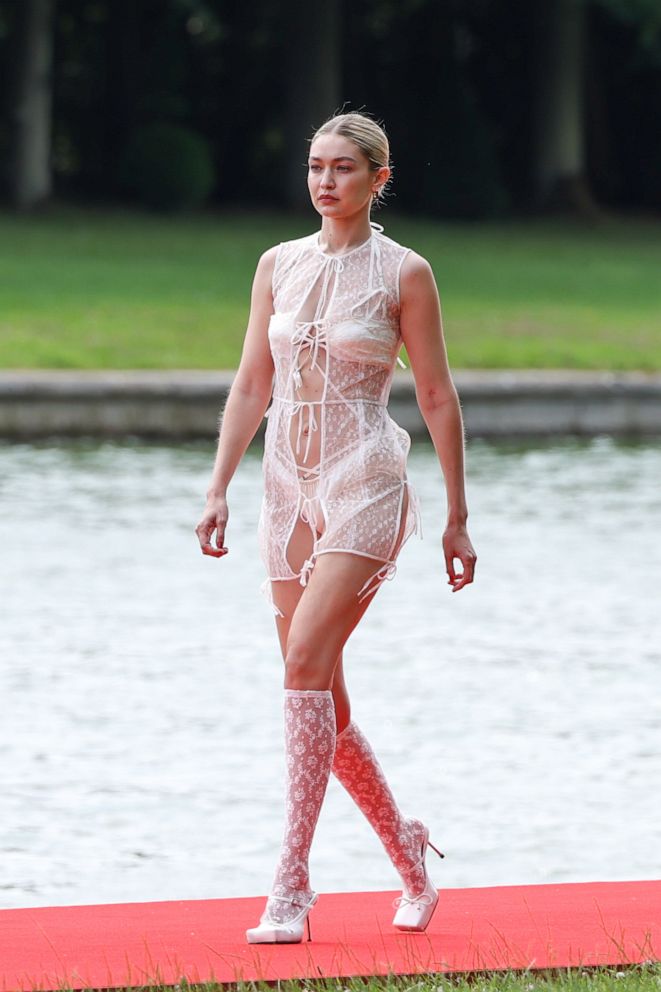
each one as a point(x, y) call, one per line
point(333, 457)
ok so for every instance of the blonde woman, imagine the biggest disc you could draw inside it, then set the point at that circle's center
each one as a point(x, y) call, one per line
point(329, 314)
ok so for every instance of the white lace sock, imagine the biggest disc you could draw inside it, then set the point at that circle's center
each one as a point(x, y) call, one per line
point(356, 766)
point(309, 747)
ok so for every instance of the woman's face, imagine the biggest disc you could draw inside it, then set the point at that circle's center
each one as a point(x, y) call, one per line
point(340, 180)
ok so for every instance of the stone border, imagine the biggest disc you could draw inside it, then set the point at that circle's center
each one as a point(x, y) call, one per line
point(186, 404)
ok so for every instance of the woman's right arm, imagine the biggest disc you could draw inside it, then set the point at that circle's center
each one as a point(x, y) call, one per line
point(246, 404)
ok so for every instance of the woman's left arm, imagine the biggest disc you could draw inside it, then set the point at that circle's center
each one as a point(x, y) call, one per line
point(421, 328)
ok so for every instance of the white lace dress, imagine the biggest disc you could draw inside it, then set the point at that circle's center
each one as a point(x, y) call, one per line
point(333, 456)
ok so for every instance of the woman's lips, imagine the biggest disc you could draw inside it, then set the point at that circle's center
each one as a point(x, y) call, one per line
point(330, 199)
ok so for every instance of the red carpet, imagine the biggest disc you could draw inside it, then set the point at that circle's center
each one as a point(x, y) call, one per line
point(537, 926)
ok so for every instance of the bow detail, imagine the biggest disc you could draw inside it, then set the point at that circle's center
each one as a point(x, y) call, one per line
point(305, 571)
point(387, 571)
point(303, 337)
point(424, 899)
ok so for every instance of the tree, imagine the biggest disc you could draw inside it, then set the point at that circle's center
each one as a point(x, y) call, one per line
point(560, 153)
point(313, 83)
point(31, 101)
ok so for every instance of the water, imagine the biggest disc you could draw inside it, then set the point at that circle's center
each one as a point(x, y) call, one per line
point(140, 745)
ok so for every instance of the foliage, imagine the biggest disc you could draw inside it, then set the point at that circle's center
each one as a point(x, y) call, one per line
point(167, 167)
point(454, 82)
point(645, 16)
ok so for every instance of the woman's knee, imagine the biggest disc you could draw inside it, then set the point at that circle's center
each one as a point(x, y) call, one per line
point(305, 667)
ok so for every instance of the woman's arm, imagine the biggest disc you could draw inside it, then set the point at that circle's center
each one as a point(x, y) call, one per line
point(422, 333)
point(246, 403)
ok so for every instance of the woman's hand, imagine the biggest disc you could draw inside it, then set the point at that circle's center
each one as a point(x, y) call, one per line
point(457, 544)
point(214, 518)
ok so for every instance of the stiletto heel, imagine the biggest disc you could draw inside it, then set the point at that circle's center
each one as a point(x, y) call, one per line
point(415, 912)
point(269, 931)
point(434, 848)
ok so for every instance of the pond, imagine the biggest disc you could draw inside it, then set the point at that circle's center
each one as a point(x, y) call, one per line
point(141, 747)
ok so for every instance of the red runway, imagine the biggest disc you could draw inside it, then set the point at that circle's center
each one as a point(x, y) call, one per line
point(537, 926)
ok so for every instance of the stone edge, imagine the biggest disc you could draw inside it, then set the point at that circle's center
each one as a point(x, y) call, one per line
point(187, 403)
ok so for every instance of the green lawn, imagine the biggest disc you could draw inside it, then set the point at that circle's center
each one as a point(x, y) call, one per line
point(639, 979)
point(119, 289)
point(643, 978)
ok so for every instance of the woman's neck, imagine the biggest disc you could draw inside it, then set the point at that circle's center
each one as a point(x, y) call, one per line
point(340, 235)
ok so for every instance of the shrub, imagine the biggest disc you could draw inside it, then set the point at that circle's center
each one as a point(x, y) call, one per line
point(167, 167)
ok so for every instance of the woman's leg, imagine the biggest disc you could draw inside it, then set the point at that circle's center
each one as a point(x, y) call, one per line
point(355, 765)
point(326, 613)
point(310, 720)
point(309, 748)
point(316, 624)
point(286, 596)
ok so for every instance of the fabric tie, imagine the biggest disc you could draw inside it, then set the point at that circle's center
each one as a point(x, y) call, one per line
point(298, 408)
point(387, 572)
point(306, 568)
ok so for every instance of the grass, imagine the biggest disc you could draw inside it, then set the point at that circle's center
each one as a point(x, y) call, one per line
point(641, 978)
point(86, 289)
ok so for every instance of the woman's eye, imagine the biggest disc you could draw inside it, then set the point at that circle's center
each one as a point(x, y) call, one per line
point(314, 168)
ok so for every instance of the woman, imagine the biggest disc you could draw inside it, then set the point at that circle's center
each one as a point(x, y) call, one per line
point(329, 313)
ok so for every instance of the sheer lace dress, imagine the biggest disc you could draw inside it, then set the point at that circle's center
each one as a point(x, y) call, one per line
point(333, 456)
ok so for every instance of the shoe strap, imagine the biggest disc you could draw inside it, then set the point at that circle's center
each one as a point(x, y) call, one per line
point(295, 902)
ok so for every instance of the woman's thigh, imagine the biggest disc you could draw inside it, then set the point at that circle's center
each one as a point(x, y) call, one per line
point(326, 614)
point(319, 618)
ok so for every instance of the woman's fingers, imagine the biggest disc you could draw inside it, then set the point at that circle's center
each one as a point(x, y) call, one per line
point(468, 561)
point(204, 531)
point(457, 546)
point(449, 566)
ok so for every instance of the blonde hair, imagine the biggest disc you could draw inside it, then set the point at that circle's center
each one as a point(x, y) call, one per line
point(369, 136)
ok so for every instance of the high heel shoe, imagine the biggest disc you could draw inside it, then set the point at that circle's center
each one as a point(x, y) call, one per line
point(415, 912)
point(269, 931)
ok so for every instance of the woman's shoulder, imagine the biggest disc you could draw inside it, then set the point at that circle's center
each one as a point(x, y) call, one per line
point(384, 240)
point(286, 257)
point(416, 277)
point(284, 247)
point(400, 256)
point(412, 258)
point(297, 244)
point(287, 254)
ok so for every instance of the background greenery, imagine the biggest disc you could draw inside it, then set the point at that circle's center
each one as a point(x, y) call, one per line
point(493, 106)
point(87, 289)
point(526, 148)
point(636, 978)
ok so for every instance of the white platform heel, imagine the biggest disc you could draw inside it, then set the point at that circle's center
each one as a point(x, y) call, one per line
point(268, 931)
point(415, 912)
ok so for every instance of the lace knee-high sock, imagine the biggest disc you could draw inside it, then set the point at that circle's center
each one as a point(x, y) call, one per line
point(356, 766)
point(309, 747)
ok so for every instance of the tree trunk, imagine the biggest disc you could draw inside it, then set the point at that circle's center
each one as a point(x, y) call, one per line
point(30, 175)
point(122, 61)
point(313, 85)
point(560, 166)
